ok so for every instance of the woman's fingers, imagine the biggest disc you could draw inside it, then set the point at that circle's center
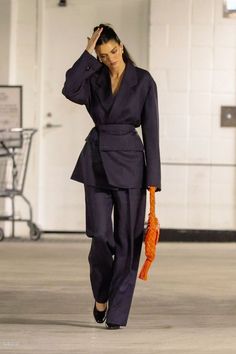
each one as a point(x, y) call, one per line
point(93, 40)
point(96, 34)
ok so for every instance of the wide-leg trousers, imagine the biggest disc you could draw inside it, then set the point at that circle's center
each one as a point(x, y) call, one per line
point(115, 221)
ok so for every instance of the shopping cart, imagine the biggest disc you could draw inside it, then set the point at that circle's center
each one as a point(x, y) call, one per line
point(15, 145)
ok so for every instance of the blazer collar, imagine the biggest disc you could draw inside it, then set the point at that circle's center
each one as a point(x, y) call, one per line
point(104, 85)
point(130, 75)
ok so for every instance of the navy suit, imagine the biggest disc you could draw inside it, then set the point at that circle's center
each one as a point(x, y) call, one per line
point(116, 167)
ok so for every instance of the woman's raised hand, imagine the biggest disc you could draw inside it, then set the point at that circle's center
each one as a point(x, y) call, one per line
point(93, 40)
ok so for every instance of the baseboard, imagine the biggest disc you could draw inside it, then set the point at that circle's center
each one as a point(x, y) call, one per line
point(180, 235)
point(188, 235)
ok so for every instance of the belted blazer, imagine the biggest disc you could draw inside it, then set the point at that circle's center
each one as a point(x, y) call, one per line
point(113, 153)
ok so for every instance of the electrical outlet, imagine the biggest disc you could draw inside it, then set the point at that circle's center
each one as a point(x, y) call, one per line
point(228, 116)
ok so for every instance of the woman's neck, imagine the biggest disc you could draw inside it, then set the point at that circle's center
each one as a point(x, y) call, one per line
point(117, 72)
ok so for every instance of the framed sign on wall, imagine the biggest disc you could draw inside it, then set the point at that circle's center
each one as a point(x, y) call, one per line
point(10, 114)
point(10, 107)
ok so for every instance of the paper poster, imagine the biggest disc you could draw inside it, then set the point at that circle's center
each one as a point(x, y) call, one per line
point(10, 115)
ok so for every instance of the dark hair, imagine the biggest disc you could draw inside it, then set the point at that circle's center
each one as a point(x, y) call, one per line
point(109, 34)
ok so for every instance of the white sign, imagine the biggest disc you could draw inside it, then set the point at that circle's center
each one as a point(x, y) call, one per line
point(10, 117)
point(10, 107)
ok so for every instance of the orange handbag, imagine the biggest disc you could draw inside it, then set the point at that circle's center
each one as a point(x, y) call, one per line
point(151, 236)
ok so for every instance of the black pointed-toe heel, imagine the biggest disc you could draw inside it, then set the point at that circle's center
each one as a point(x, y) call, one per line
point(112, 326)
point(99, 316)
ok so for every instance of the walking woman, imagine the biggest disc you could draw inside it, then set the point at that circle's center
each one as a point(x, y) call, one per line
point(115, 166)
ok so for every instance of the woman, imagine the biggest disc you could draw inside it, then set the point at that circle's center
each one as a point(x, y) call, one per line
point(115, 166)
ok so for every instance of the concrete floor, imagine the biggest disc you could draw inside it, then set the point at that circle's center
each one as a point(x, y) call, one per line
point(188, 306)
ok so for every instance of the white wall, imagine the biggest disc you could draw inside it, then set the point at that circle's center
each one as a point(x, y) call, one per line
point(193, 59)
point(28, 65)
point(5, 10)
point(24, 71)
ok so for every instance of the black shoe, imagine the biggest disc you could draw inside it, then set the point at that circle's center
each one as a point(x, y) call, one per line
point(99, 316)
point(112, 326)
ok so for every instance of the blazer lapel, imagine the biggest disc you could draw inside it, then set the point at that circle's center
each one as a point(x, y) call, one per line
point(129, 80)
point(103, 89)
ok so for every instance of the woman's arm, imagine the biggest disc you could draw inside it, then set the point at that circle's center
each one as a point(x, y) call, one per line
point(150, 132)
point(76, 87)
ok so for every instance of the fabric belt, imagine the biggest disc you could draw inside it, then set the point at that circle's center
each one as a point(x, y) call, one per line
point(115, 137)
point(116, 129)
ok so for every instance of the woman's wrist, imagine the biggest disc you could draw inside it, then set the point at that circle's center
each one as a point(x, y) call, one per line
point(89, 50)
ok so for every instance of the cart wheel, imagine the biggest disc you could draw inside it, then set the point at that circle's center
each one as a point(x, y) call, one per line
point(35, 232)
point(1, 234)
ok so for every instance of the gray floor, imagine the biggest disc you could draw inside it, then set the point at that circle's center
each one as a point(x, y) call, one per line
point(188, 306)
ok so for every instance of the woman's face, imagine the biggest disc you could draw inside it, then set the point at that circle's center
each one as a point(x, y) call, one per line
point(110, 54)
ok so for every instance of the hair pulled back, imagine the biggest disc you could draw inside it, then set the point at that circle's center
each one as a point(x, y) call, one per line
point(108, 34)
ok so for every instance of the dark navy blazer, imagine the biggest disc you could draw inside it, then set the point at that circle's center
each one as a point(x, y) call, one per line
point(114, 153)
